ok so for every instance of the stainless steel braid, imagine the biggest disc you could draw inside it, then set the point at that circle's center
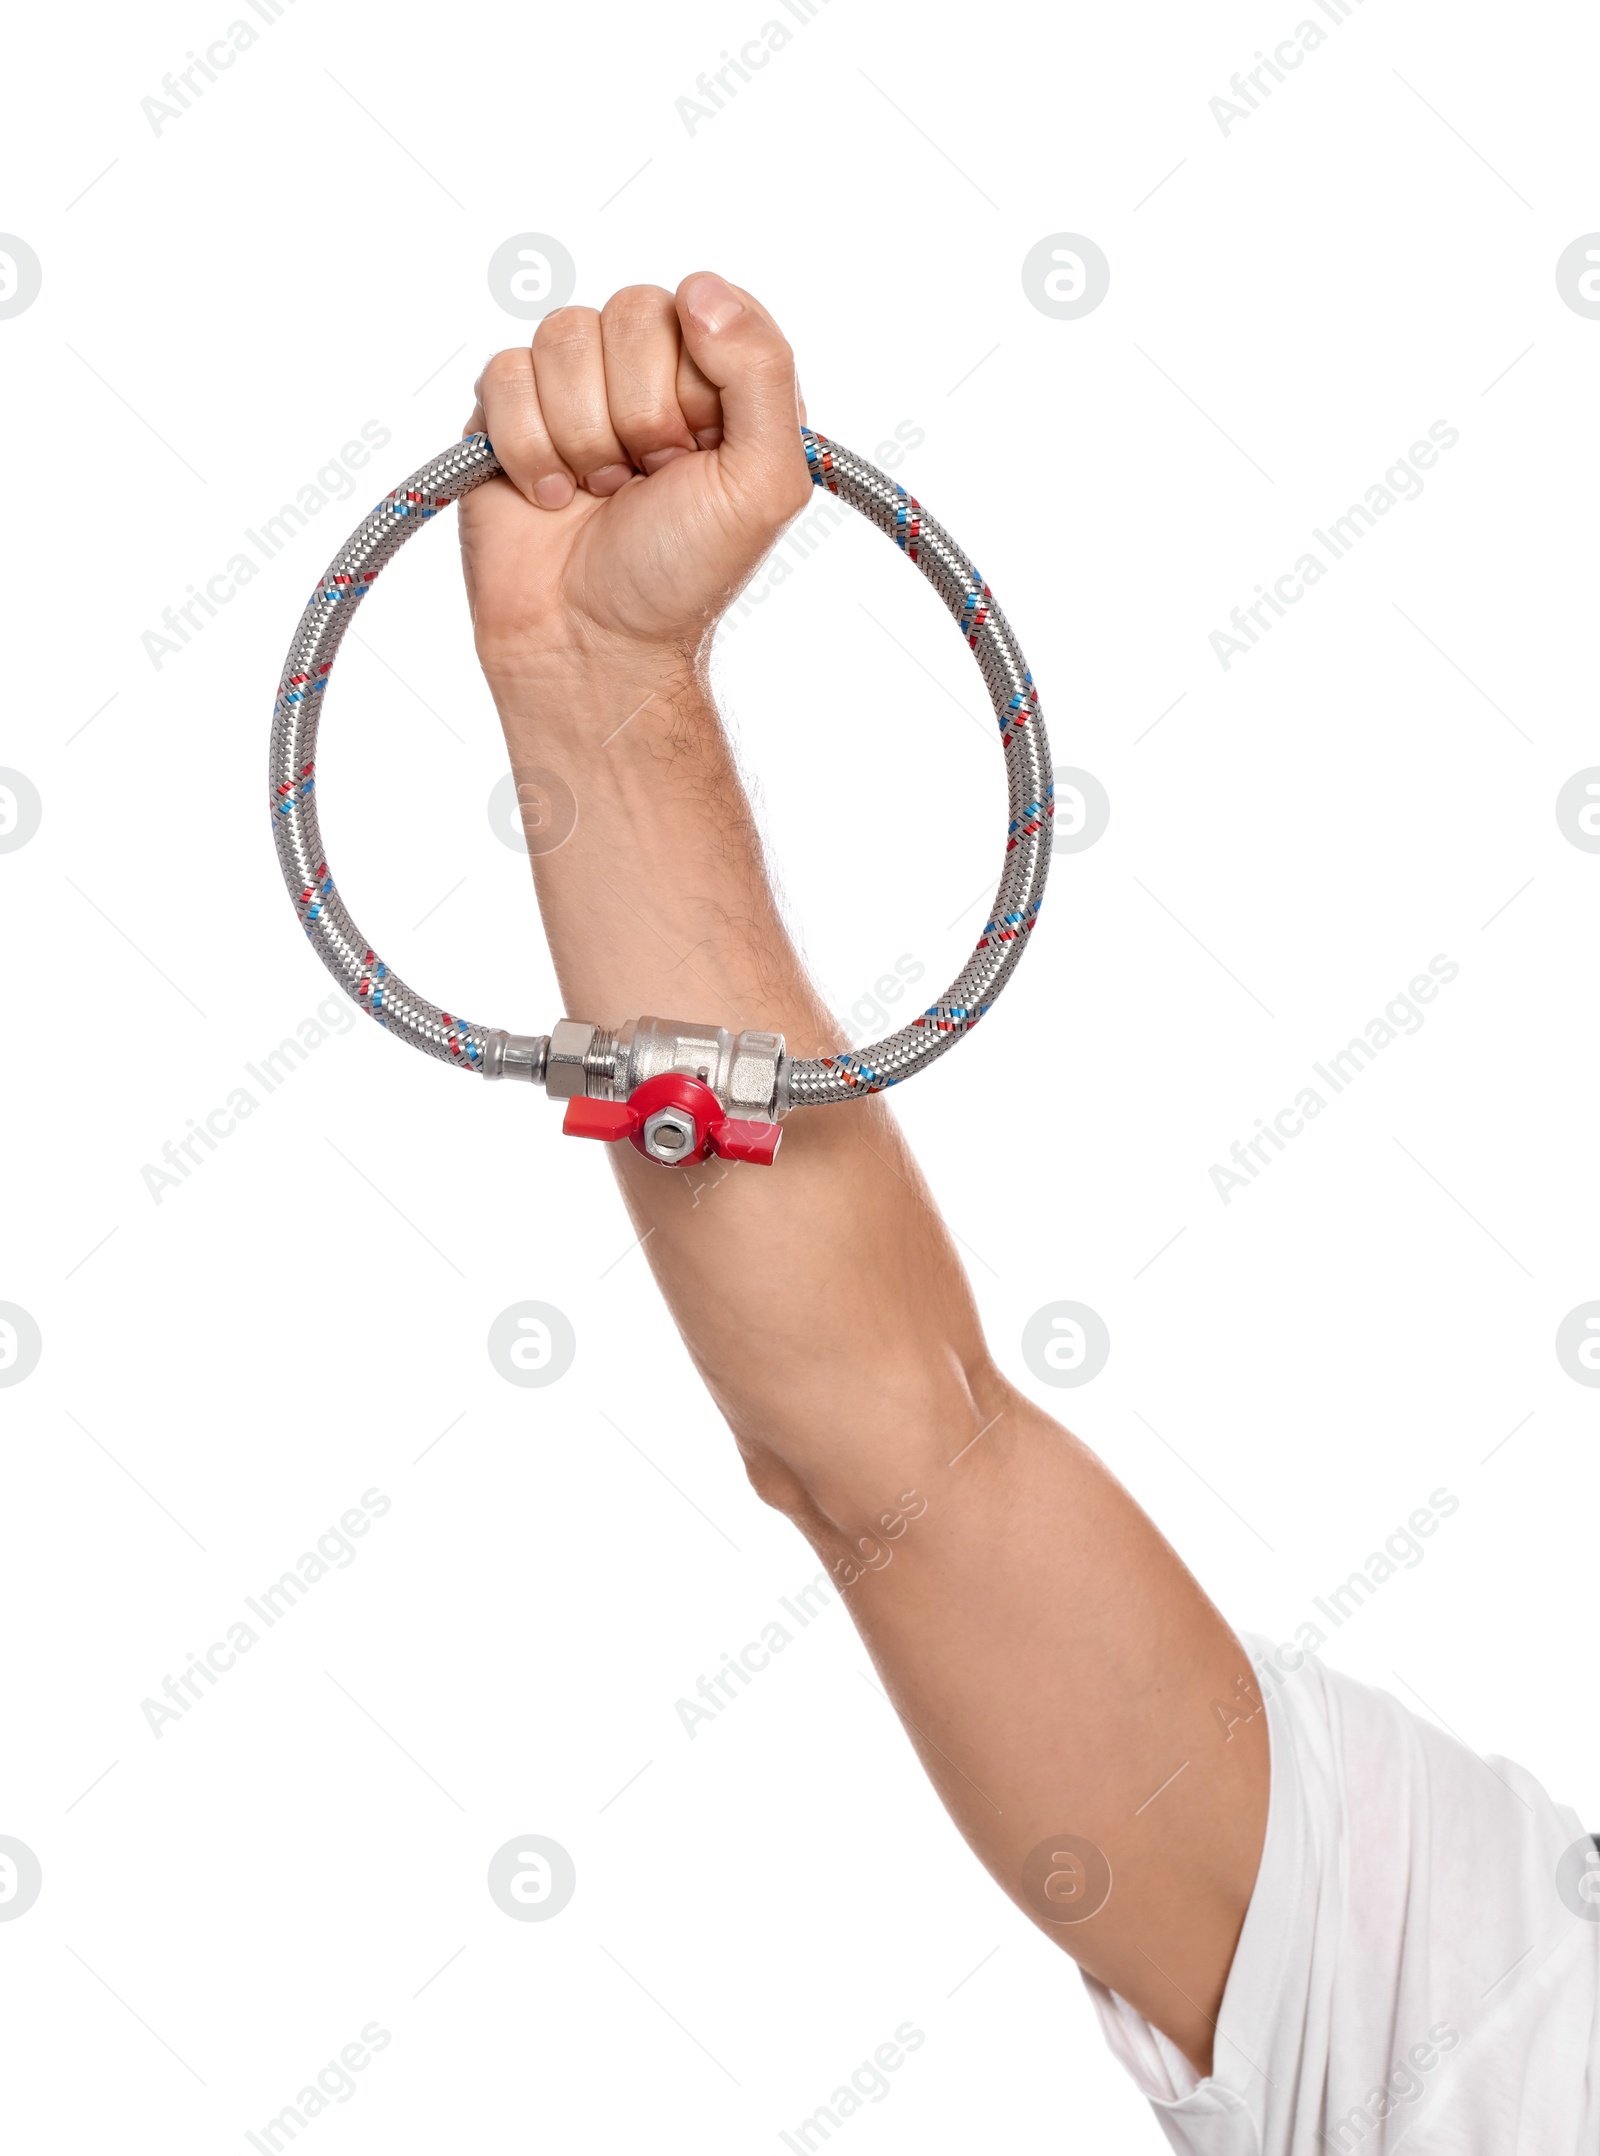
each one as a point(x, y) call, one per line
point(357, 965)
point(346, 953)
point(1031, 803)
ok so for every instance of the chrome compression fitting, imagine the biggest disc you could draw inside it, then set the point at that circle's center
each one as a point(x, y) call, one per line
point(679, 1091)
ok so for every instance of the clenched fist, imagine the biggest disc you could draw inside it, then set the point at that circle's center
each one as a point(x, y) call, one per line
point(651, 456)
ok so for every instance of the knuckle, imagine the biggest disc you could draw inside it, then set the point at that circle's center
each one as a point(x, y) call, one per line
point(502, 367)
point(773, 358)
point(636, 307)
point(566, 329)
point(588, 441)
point(643, 412)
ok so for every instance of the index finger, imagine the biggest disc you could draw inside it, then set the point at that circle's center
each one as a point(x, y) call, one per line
point(509, 410)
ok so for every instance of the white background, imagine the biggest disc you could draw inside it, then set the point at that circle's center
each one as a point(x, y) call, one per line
point(1294, 304)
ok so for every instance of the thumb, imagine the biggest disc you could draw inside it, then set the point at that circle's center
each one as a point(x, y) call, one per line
point(740, 349)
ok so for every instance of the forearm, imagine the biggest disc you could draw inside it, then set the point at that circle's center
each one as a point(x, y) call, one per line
point(659, 900)
point(821, 1299)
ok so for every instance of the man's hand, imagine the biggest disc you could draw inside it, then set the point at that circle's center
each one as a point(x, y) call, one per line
point(652, 456)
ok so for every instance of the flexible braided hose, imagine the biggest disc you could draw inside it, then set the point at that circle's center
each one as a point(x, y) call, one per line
point(356, 965)
point(1031, 805)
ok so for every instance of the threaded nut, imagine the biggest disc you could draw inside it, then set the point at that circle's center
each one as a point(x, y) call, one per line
point(566, 1063)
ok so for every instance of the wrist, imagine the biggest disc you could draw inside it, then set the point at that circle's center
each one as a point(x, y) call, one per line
point(589, 717)
point(584, 685)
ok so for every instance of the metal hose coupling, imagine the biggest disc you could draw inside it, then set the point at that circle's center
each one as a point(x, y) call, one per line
point(678, 1090)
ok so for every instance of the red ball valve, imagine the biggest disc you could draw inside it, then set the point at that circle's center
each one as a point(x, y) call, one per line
point(672, 1119)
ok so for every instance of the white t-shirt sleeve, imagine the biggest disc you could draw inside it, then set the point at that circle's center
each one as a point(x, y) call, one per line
point(1409, 1978)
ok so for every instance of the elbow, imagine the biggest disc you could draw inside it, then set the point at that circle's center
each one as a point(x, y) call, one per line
point(836, 1454)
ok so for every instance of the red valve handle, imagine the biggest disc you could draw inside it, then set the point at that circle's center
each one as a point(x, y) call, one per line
point(730, 1137)
point(609, 1119)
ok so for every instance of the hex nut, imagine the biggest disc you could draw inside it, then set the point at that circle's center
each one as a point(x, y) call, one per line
point(570, 1041)
point(753, 1073)
point(670, 1135)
